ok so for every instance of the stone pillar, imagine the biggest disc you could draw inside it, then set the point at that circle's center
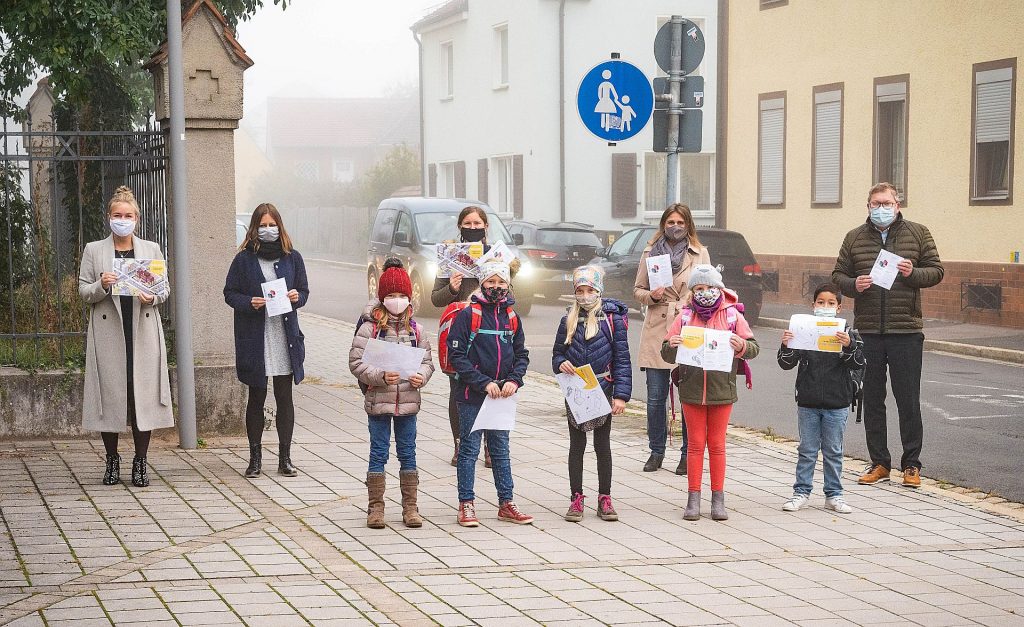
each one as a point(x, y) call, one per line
point(213, 64)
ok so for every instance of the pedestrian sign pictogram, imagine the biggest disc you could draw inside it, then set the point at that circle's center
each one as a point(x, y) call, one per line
point(615, 100)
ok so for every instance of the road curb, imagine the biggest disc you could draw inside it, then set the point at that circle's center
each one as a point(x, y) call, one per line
point(347, 264)
point(1007, 355)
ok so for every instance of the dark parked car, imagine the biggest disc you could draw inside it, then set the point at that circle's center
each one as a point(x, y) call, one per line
point(729, 249)
point(408, 228)
point(556, 249)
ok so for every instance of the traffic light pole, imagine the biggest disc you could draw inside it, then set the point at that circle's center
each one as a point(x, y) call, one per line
point(675, 110)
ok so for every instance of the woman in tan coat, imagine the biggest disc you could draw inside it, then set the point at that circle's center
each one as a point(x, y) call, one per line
point(126, 380)
point(676, 237)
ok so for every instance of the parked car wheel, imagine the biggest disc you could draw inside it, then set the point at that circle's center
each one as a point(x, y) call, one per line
point(371, 285)
point(420, 304)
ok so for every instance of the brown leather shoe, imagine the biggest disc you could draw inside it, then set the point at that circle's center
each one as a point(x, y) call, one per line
point(911, 477)
point(875, 474)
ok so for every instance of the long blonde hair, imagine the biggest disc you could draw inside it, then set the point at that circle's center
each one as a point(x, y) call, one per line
point(572, 320)
point(383, 318)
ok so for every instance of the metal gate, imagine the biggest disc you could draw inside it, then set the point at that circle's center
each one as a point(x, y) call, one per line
point(54, 187)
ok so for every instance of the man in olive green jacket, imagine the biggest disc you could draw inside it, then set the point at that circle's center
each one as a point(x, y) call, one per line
point(891, 324)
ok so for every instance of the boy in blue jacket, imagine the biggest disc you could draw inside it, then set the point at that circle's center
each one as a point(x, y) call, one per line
point(487, 348)
point(824, 390)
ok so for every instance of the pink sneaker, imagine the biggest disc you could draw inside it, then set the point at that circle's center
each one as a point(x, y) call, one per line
point(604, 508)
point(575, 513)
point(467, 514)
point(510, 511)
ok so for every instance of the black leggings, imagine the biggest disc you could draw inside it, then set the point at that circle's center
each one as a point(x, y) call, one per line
point(603, 448)
point(141, 437)
point(453, 408)
point(285, 419)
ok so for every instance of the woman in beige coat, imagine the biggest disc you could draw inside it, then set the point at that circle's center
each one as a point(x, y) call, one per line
point(126, 380)
point(676, 237)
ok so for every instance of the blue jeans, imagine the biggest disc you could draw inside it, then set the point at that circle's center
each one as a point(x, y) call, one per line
point(469, 451)
point(380, 441)
point(820, 429)
point(658, 389)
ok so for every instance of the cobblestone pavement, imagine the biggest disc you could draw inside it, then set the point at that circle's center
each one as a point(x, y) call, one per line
point(203, 545)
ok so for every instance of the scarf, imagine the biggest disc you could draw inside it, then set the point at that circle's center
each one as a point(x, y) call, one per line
point(705, 313)
point(267, 250)
point(677, 251)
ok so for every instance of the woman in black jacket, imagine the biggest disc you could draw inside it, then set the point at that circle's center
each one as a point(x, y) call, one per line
point(267, 346)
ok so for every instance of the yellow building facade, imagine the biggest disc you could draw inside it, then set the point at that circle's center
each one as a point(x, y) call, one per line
point(827, 97)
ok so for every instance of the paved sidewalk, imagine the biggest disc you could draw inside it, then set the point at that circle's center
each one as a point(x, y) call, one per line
point(203, 545)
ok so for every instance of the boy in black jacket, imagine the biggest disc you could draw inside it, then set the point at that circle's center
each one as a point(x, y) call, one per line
point(824, 391)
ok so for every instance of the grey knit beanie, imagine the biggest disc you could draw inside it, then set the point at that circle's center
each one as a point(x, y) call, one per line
point(705, 274)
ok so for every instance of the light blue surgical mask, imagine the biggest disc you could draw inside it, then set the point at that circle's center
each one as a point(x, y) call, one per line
point(883, 215)
point(268, 233)
point(825, 312)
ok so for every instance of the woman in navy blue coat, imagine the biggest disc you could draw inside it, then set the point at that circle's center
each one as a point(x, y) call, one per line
point(595, 332)
point(267, 346)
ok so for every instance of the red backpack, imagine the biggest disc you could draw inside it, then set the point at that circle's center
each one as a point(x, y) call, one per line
point(448, 318)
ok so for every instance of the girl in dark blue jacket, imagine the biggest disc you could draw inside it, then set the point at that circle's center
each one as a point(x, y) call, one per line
point(595, 332)
point(487, 348)
point(267, 346)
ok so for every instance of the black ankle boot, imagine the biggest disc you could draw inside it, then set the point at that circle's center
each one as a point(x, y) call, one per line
point(284, 462)
point(140, 475)
point(112, 475)
point(255, 462)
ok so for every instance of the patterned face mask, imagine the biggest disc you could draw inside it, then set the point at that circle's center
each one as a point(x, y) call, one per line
point(587, 302)
point(708, 297)
point(495, 294)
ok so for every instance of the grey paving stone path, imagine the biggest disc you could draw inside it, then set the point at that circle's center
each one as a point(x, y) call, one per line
point(204, 546)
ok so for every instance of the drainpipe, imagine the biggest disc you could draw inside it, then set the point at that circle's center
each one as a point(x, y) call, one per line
point(561, 109)
point(423, 166)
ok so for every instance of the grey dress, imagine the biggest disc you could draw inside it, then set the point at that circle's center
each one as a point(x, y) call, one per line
point(275, 343)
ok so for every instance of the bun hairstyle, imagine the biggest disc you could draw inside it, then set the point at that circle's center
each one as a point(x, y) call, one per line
point(126, 195)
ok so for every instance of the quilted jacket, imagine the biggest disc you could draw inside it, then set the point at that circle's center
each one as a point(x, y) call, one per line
point(381, 399)
point(603, 355)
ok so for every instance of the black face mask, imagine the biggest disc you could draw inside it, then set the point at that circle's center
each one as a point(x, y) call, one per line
point(472, 235)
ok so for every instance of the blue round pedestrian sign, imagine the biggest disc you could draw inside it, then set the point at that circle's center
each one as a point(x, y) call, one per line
point(615, 100)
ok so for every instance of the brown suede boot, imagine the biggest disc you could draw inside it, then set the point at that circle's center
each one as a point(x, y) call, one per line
point(375, 492)
point(409, 481)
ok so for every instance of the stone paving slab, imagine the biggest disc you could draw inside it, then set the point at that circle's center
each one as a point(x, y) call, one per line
point(204, 546)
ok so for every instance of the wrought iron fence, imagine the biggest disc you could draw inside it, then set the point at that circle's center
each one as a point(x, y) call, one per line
point(54, 186)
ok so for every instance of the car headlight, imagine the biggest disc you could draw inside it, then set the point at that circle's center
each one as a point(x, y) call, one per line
point(525, 270)
point(431, 270)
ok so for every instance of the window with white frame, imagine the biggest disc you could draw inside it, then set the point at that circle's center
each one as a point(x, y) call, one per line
point(827, 160)
point(501, 55)
point(447, 70)
point(771, 153)
point(992, 132)
point(696, 184)
point(343, 171)
point(446, 180)
point(500, 192)
point(309, 170)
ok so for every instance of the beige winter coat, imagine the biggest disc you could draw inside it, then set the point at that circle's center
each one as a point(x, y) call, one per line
point(104, 406)
point(381, 399)
point(661, 314)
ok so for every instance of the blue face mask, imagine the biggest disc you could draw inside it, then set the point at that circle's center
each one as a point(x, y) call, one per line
point(883, 216)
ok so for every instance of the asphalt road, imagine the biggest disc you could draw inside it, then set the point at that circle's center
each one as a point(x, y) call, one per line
point(973, 409)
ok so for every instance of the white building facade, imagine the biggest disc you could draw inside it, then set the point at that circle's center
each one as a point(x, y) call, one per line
point(499, 121)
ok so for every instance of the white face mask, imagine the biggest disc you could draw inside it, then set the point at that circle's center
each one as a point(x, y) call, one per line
point(587, 302)
point(122, 227)
point(268, 233)
point(825, 312)
point(396, 305)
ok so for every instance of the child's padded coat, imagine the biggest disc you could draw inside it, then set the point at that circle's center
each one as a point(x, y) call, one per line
point(497, 353)
point(381, 399)
point(608, 351)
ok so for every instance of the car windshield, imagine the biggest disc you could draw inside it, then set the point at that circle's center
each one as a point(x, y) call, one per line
point(729, 249)
point(439, 226)
point(566, 237)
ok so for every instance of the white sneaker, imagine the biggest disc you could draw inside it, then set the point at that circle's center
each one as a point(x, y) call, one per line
point(837, 504)
point(796, 503)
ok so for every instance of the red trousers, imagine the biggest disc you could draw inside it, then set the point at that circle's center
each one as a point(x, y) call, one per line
point(705, 426)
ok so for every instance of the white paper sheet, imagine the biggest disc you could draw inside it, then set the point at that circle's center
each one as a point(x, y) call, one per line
point(276, 293)
point(659, 271)
point(708, 349)
point(584, 395)
point(394, 357)
point(883, 273)
point(497, 414)
point(499, 252)
point(813, 333)
point(139, 276)
point(458, 257)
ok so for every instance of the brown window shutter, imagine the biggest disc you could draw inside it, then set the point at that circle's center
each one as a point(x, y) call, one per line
point(460, 179)
point(517, 186)
point(432, 180)
point(481, 180)
point(624, 185)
